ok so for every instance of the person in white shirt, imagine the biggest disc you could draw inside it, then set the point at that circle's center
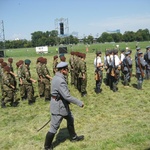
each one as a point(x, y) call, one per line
point(98, 71)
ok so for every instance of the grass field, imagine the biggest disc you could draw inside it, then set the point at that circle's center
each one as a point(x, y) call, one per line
point(109, 121)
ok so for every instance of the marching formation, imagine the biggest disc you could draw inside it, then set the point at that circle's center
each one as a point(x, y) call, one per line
point(120, 68)
point(116, 68)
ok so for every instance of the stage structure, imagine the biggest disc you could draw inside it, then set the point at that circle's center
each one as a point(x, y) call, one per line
point(2, 39)
point(62, 26)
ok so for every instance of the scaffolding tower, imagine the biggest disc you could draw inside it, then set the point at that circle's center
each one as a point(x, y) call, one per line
point(2, 39)
point(65, 23)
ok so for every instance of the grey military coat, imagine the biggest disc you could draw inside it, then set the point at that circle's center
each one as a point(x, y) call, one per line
point(59, 89)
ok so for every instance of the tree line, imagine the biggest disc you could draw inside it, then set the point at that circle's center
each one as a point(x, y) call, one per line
point(52, 38)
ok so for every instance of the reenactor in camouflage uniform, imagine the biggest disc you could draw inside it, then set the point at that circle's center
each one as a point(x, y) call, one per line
point(55, 62)
point(39, 73)
point(46, 77)
point(71, 63)
point(82, 75)
point(27, 81)
point(8, 89)
point(147, 59)
point(10, 61)
point(23, 92)
point(76, 68)
point(63, 59)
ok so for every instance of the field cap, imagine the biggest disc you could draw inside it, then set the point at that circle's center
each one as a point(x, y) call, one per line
point(7, 68)
point(27, 61)
point(62, 65)
point(98, 52)
point(147, 47)
point(126, 53)
point(140, 52)
point(138, 48)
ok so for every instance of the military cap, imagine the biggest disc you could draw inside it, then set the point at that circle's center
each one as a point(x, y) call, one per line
point(138, 48)
point(147, 47)
point(3, 64)
point(140, 53)
point(126, 53)
point(7, 68)
point(123, 50)
point(27, 61)
point(55, 57)
point(10, 60)
point(115, 51)
point(39, 59)
point(43, 60)
point(98, 52)
point(62, 54)
point(63, 58)
point(17, 64)
point(62, 65)
point(130, 51)
point(21, 62)
point(1, 60)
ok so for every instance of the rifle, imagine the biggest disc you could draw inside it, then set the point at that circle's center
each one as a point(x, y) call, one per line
point(142, 72)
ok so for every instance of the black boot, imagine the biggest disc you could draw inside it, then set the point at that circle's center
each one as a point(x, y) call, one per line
point(3, 105)
point(48, 141)
point(77, 138)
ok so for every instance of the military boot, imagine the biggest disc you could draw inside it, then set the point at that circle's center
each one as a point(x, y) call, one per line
point(3, 105)
point(48, 141)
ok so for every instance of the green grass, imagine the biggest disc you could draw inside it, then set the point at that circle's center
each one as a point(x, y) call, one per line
point(109, 121)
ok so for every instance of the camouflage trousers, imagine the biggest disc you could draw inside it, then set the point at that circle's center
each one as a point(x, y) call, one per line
point(29, 91)
point(9, 96)
point(46, 87)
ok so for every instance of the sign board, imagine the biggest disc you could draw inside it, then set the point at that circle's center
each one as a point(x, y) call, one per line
point(41, 49)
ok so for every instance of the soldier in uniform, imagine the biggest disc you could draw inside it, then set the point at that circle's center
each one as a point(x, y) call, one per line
point(23, 91)
point(59, 107)
point(115, 70)
point(127, 68)
point(71, 63)
point(82, 75)
point(147, 60)
point(98, 71)
point(46, 77)
point(140, 66)
point(8, 88)
point(55, 62)
point(27, 81)
point(39, 73)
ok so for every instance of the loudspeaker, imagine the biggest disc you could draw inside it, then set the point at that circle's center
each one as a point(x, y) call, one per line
point(1, 53)
point(61, 28)
point(62, 50)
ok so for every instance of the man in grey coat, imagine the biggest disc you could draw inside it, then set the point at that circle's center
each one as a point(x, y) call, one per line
point(59, 106)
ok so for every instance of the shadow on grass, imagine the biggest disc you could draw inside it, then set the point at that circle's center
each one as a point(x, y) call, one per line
point(147, 148)
point(134, 85)
point(61, 137)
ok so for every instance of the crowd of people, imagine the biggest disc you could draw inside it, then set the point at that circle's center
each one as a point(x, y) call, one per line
point(120, 68)
point(117, 67)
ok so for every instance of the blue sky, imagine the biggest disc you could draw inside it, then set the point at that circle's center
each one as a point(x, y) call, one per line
point(86, 17)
